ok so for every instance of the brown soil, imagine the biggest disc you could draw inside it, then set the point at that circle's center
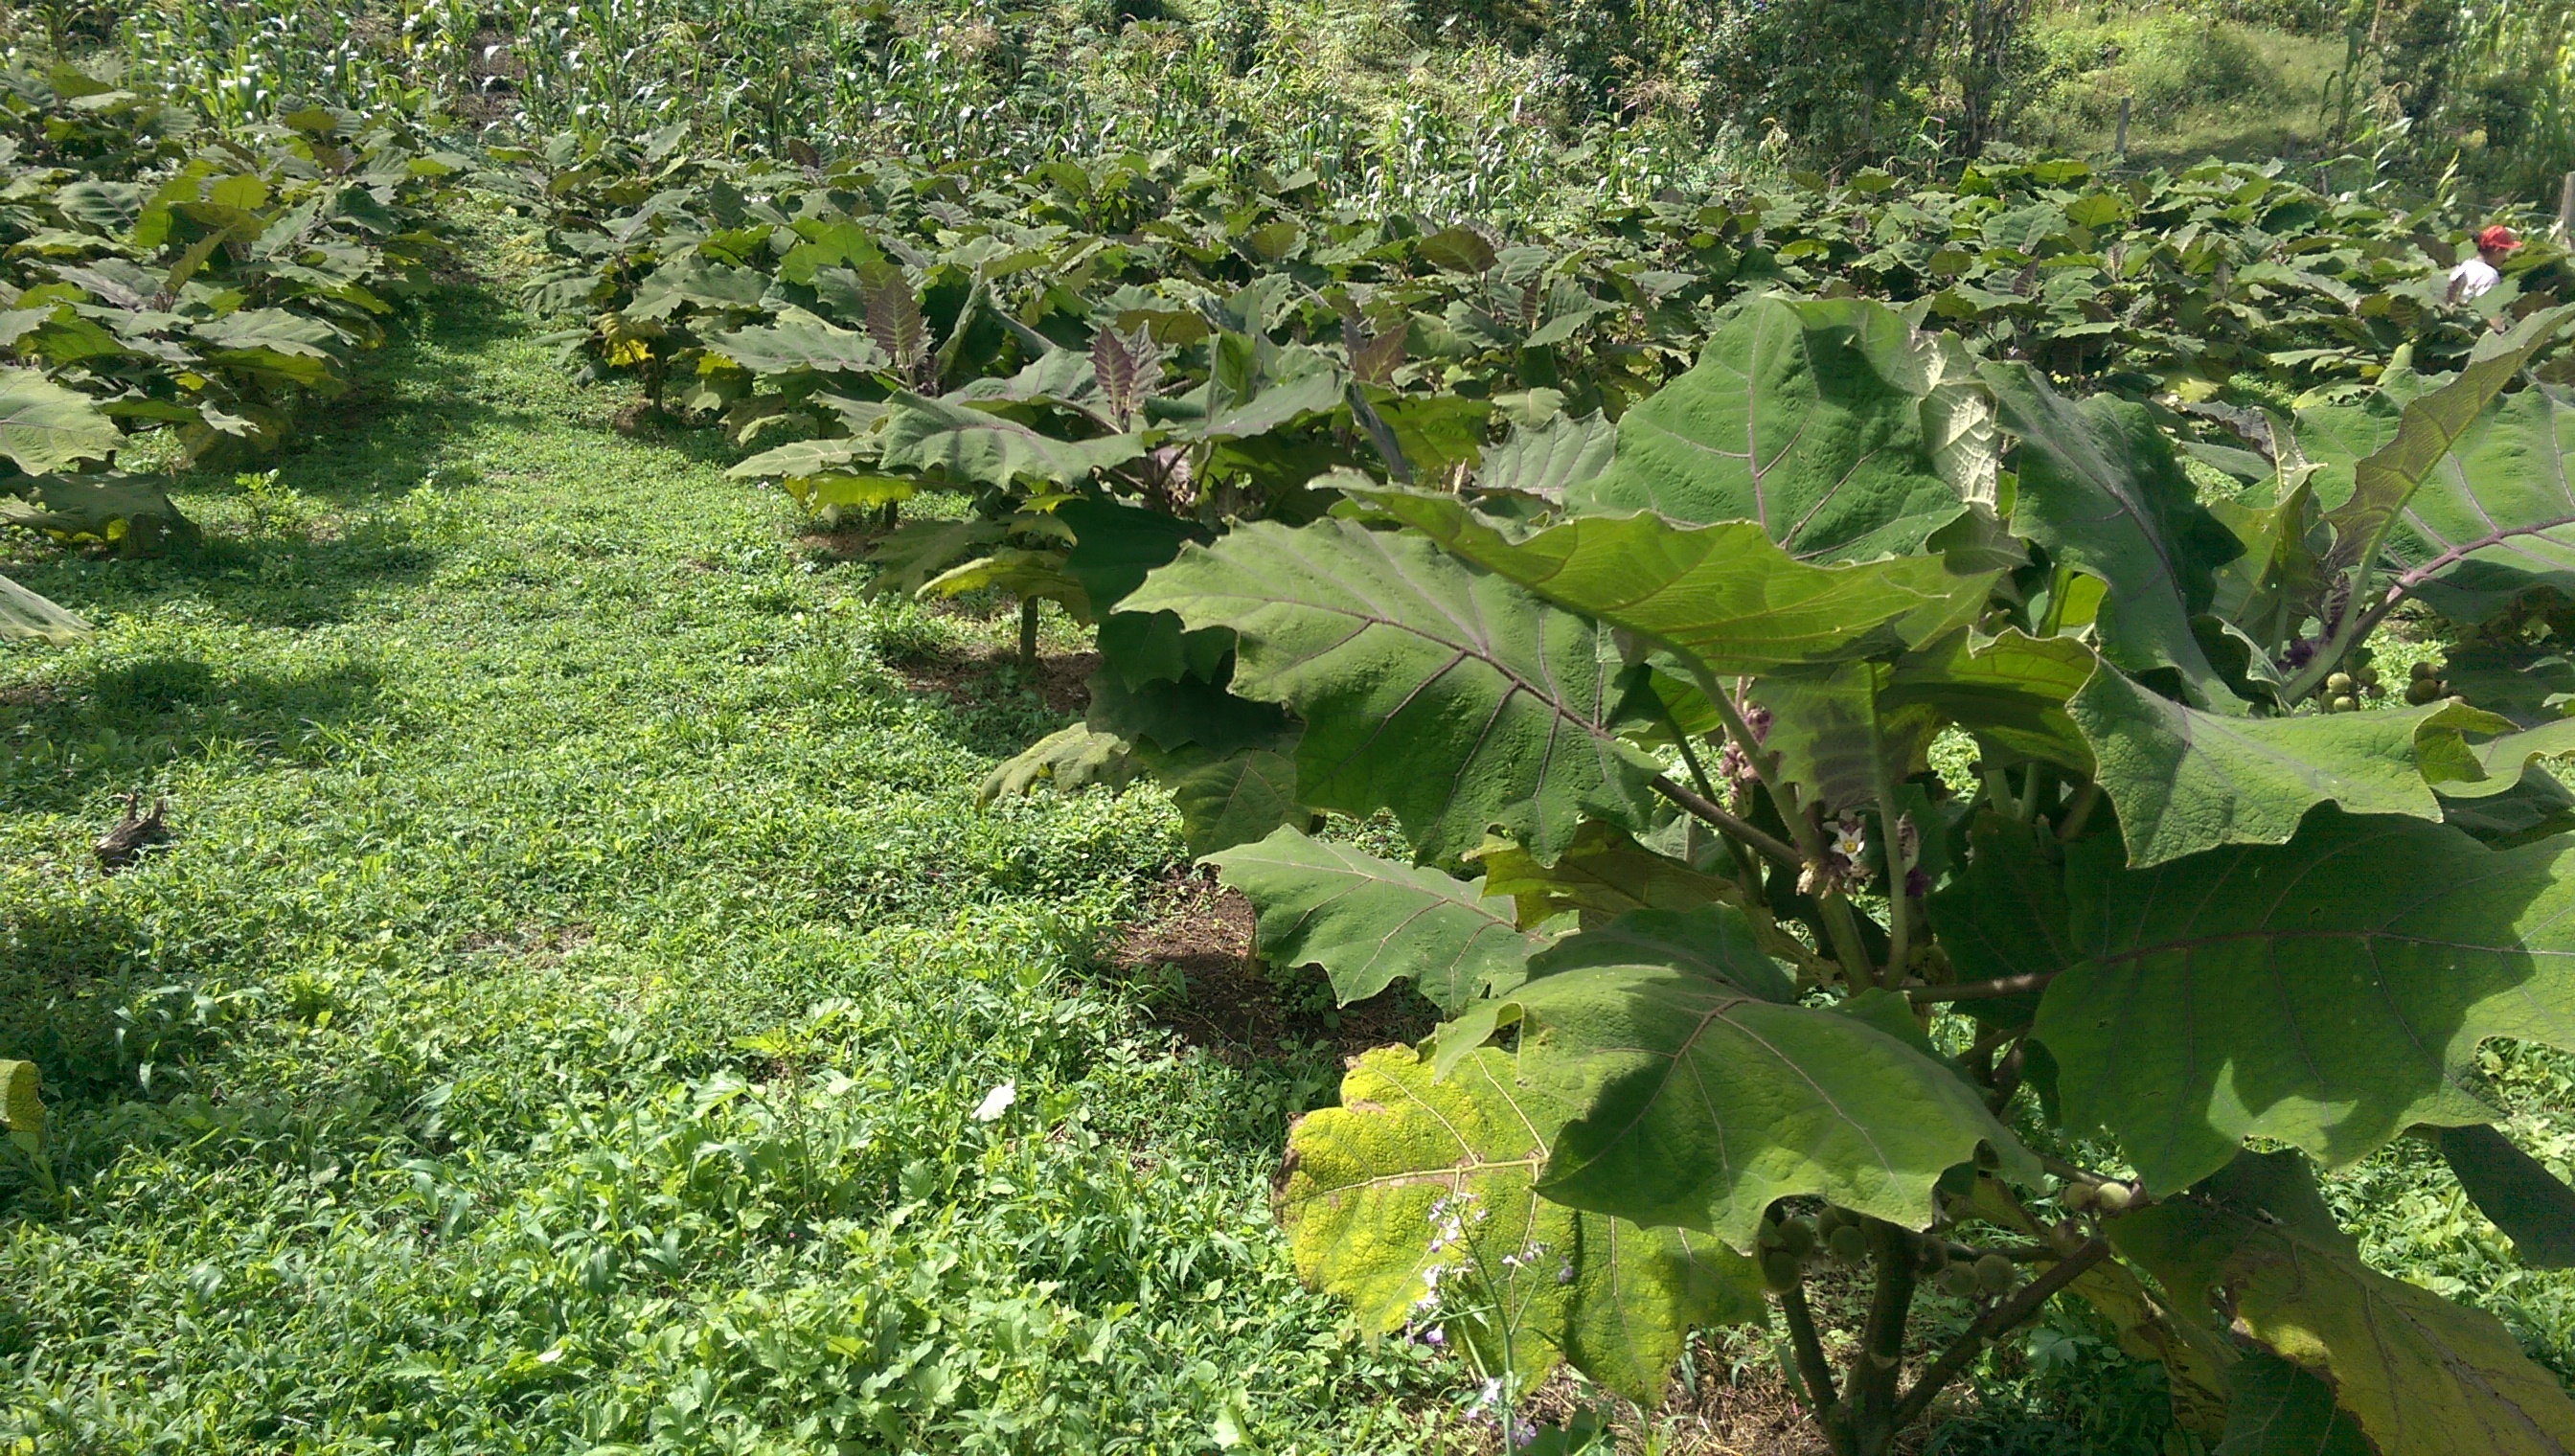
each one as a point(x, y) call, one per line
point(1229, 1004)
point(28, 694)
point(529, 942)
point(1064, 678)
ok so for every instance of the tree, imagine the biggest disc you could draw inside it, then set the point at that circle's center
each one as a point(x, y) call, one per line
point(1738, 984)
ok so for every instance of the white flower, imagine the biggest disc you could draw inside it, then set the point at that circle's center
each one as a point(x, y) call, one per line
point(1848, 842)
point(997, 1102)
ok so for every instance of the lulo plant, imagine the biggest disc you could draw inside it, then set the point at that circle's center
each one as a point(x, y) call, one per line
point(1738, 984)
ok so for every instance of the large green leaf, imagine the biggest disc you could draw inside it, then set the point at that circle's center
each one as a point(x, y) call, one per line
point(2496, 517)
point(2514, 1190)
point(1231, 798)
point(1838, 735)
point(1704, 1095)
point(2277, 1409)
point(1410, 1176)
point(1602, 872)
point(1452, 696)
point(1370, 923)
point(45, 427)
point(2005, 916)
point(1804, 417)
point(801, 343)
point(23, 614)
point(2416, 1373)
point(1725, 596)
point(1551, 461)
point(2009, 690)
point(2101, 489)
point(2433, 424)
point(2328, 993)
point(2185, 781)
point(1067, 758)
point(971, 445)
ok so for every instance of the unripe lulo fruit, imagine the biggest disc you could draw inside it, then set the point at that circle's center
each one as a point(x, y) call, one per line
point(1780, 1270)
point(1995, 1274)
point(1848, 1243)
point(2115, 1197)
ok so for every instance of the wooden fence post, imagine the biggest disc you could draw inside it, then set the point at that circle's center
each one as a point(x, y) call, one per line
point(2122, 148)
point(2566, 206)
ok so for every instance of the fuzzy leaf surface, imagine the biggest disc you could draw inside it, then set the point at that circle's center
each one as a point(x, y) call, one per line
point(1798, 417)
point(1370, 923)
point(1725, 596)
point(1449, 696)
point(2329, 993)
point(1369, 1184)
point(1701, 1099)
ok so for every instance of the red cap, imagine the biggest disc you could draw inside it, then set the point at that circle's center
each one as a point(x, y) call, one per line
point(2497, 236)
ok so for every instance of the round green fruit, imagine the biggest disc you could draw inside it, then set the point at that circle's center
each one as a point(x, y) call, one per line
point(1797, 1236)
point(2422, 690)
point(1848, 1243)
point(2423, 670)
point(1780, 1270)
point(1931, 1255)
point(2340, 684)
point(2346, 703)
point(2366, 677)
point(2077, 1196)
point(2115, 1197)
point(1995, 1274)
point(1958, 1282)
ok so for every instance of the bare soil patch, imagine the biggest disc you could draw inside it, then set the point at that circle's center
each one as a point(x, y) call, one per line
point(1064, 678)
point(1226, 1002)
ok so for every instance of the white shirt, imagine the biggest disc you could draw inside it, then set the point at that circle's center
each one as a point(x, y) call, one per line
point(2472, 277)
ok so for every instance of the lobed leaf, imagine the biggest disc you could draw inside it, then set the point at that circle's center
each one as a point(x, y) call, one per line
point(1369, 1188)
point(2328, 992)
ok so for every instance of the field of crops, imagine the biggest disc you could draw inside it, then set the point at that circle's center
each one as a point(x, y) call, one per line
point(771, 728)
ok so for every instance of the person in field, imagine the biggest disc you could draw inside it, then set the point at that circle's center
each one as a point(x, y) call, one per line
point(2475, 275)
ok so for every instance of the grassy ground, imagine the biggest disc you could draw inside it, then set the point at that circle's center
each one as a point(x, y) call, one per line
point(559, 1021)
point(2196, 87)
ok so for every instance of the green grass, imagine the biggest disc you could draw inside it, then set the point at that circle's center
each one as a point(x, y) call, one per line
point(2196, 87)
point(558, 1023)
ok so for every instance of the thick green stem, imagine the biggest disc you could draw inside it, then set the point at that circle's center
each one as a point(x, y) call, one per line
point(2079, 812)
point(1814, 1368)
point(1029, 636)
point(1871, 1390)
point(1899, 909)
point(1996, 1321)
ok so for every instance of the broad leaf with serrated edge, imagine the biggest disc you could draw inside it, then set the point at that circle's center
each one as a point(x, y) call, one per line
point(23, 614)
point(2276, 1409)
point(1704, 1095)
point(1371, 1188)
point(2328, 993)
point(1370, 923)
point(2418, 1373)
point(1067, 758)
point(1452, 696)
point(2004, 915)
point(1724, 595)
point(803, 344)
point(2101, 489)
point(1799, 418)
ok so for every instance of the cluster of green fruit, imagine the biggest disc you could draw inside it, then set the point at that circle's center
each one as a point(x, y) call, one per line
point(2347, 690)
point(1788, 1243)
point(2427, 684)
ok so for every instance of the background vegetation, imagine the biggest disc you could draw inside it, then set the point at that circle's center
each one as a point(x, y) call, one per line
point(561, 1019)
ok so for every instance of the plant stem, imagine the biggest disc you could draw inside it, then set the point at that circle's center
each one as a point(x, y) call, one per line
point(1029, 636)
point(2079, 812)
point(1996, 1321)
point(1732, 825)
point(1812, 1367)
point(1899, 909)
point(1870, 1391)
